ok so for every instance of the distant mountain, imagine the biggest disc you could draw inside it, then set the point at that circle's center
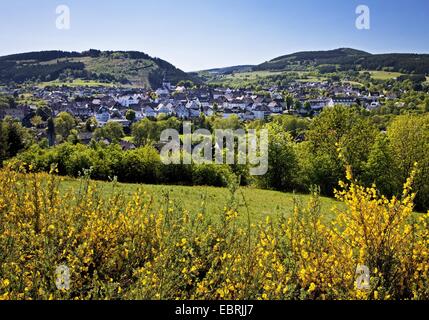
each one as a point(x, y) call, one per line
point(349, 59)
point(125, 67)
point(229, 70)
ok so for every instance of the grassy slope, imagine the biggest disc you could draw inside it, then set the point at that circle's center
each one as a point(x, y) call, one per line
point(383, 75)
point(261, 203)
point(253, 77)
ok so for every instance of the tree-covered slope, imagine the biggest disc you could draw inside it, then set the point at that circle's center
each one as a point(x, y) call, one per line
point(349, 59)
point(126, 67)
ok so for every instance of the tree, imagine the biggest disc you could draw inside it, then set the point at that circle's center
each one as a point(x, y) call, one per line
point(426, 105)
point(144, 131)
point(36, 121)
point(233, 123)
point(91, 124)
point(409, 141)
point(3, 143)
point(44, 112)
point(380, 168)
point(73, 136)
point(51, 132)
point(130, 115)
point(112, 131)
point(141, 165)
point(338, 137)
point(64, 123)
point(15, 137)
point(289, 101)
point(297, 105)
point(295, 125)
point(7, 102)
point(307, 107)
point(282, 162)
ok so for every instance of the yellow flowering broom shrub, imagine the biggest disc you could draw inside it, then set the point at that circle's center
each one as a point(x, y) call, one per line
point(118, 247)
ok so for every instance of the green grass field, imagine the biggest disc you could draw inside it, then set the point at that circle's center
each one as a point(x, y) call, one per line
point(254, 77)
point(354, 83)
point(383, 75)
point(212, 201)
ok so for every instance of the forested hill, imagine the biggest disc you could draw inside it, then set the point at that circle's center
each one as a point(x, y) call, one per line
point(125, 67)
point(349, 59)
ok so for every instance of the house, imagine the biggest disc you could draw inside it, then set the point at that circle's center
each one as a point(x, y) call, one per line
point(102, 116)
point(127, 101)
point(194, 109)
point(181, 111)
point(235, 103)
point(318, 105)
point(275, 107)
point(79, 110)
point(165, 109)
point(148, 112)
point(260, 111)
point(345, 101)
point(180, 89)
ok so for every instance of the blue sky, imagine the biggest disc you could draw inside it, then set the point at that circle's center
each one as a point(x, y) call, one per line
point(200, 34)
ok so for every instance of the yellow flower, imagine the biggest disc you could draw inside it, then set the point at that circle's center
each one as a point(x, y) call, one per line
point(376, 295)
point(6, 283)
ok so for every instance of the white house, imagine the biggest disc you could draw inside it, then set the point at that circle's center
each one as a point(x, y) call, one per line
point(345, 101)
point(260, 111)
point(102, 115)
point(127, 101)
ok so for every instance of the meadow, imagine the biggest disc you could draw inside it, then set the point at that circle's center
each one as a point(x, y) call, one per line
point(383, 75)
point(259, 203)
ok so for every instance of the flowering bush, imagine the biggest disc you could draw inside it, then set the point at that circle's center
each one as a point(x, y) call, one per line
point(118, 247)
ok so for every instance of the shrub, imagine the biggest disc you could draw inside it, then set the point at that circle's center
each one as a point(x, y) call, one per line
point(141, 165)
point(210, 175)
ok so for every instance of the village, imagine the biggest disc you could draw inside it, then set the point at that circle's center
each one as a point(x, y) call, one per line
point(107, 104)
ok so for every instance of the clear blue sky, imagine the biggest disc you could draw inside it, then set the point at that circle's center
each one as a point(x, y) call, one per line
point(199, 34)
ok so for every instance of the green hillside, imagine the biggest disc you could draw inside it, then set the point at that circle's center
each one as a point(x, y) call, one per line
point(349, 59)
point(120, 67)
